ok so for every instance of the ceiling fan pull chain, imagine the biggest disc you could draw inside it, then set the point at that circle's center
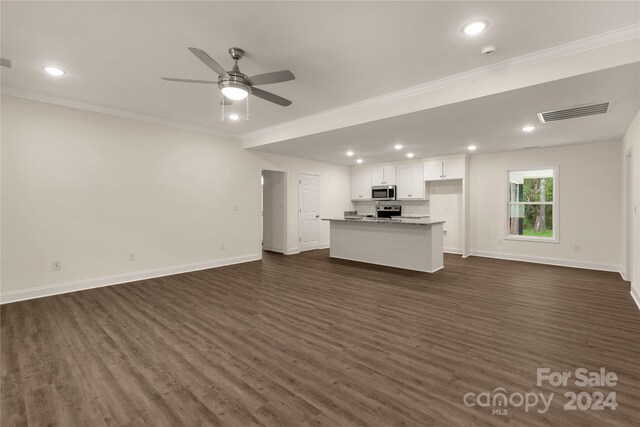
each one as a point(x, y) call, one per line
point(247, 115)
point(222, 118)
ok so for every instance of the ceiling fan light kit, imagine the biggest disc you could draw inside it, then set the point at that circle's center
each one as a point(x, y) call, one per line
point(234, 91)
point(237, 86)
point(234, 114)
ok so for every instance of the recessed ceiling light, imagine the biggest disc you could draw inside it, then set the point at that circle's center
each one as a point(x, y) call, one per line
point(234, 116)
point(475, 27)
point(54, 71)
point(409, 155)
point(398, 146)
point(528, 128)
point(472, 147)
point(359, 161)
point(349, 153)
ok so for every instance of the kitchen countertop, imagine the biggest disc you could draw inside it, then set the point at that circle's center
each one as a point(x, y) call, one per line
point(410, 221)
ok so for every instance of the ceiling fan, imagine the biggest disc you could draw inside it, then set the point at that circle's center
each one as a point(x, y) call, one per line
point(235, 85)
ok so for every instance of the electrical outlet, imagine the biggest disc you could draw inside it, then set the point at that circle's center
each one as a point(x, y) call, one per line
point(444, 232)
point(576, 247)
point(132, 256)
point(56, 265)
point(236, 207)
point(223, 246)
point(499, 241)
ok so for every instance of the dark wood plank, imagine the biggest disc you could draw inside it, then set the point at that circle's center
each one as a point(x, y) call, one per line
point(306, 340)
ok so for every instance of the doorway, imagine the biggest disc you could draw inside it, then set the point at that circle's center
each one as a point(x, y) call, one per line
point(274, 215)
point(309, 212)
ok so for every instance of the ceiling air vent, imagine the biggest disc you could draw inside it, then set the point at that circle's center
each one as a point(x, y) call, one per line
point(5, 62)
point(574, 112)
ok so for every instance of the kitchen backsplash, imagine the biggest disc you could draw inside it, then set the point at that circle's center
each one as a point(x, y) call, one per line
point(409, 207)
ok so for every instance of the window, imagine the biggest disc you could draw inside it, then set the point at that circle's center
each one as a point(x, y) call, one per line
point(532, 205)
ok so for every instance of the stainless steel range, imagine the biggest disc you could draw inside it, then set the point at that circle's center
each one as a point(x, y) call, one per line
point(388, 211)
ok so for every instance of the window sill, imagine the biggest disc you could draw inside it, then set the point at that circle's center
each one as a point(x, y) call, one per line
point(533, 239)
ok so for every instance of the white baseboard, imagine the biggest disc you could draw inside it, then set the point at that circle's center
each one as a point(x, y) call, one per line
point(635, 297)
point(548, 261)
point(296, 250)
point(454, 251)
point(292, 251)
point(63, 288)
point(272, 248)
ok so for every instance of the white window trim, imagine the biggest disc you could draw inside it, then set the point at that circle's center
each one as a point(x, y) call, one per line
point(555, 204)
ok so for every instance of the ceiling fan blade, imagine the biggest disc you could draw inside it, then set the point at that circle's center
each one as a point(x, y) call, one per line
point(209, 62)
point(274, 77)
point(169, 79)
point(225, 101)
point(268, 96)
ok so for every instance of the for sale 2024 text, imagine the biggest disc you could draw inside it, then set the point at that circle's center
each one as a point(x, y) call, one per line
point(582, 377)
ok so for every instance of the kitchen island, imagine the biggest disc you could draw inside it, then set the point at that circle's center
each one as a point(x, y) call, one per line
point(414, 244)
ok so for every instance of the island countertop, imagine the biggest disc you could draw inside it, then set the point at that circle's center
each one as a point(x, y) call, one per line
point(398, 221)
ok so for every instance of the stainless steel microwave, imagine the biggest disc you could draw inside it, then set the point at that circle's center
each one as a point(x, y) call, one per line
point(383, 192)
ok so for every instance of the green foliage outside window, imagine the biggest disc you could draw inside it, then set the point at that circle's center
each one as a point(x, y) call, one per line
point(531, 205)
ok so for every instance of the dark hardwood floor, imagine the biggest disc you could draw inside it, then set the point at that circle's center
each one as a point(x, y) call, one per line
point(306, 340)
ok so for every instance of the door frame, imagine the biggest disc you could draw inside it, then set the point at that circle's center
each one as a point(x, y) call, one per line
point(285, 244)
point(299, 210)
point(628, 216)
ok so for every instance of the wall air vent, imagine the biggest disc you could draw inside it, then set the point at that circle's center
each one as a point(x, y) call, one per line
point(5, 62)
point(574, 112)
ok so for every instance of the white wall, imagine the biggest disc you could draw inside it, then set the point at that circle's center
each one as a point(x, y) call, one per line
point(590, 197)
point(445, 201)
point(273, 210)
point(334, 192)
point(631, 145)
point(87, 189)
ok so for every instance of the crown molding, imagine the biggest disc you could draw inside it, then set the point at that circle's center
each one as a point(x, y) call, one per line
point(118, 112)
point(600, 40)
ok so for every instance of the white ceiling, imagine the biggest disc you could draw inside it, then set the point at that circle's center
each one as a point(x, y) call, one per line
point(115, 53)
point(493, 123)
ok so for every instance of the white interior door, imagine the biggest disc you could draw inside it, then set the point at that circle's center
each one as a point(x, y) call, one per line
point(309, 216)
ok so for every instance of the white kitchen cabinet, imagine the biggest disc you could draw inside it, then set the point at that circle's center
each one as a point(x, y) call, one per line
point(433, 170)
point(361, 184)
point(454, 168)
point(383, 175)
point(411, 183)
point(437, 170)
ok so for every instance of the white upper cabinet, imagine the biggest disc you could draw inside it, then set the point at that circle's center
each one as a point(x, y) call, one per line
point(360, 184)
point(383, 175)
point(433, 170)
point(411, 182)
point(454, 168)
point(437, 170)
